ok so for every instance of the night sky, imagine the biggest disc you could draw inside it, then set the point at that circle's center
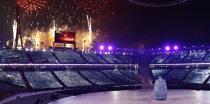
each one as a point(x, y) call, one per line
point(127, 25)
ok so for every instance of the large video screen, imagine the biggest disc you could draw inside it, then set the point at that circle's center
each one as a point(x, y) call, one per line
point(65, 37)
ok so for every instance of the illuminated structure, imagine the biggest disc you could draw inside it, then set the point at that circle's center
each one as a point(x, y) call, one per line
point(28, 6)
point(65, 39)
point(39, 39)
point(18, 31)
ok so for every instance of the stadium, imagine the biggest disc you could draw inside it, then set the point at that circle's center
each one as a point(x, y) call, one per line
point(70, 72)
point(104, 52)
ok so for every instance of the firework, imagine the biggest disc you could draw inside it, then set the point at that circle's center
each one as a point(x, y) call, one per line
point(14, 32)
point(74, 12)
point(89, 21)
point(31, 5)
point(94, 7)
point(37, 15)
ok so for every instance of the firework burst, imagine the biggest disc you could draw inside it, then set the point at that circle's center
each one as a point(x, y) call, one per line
point(31, 5)
point(94, 7)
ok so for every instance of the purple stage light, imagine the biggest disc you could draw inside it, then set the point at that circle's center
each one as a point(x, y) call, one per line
point(176, 47)
point(110, 48)
point(167, 48)
point(101, 47)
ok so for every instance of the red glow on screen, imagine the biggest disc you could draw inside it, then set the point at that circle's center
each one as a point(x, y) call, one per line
point(65, 37)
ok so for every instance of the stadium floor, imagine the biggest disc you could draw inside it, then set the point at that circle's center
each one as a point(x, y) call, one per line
point(138, 97)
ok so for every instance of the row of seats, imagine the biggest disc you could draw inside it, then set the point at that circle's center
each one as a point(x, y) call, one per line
point(93, 58)
point(69, 57)
point(67, 77)
point(111, 58)
point(63, 56)
point(71, 78)
point(97, 77)
point(196, 77)
point(8, 56)
point(127, 58)
point(42, 80)
point(196, 56)
point(182, 76)
point(11, 77)
point(42, 57)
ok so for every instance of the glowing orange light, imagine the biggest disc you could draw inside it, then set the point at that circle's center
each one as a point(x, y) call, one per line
point(67, 39)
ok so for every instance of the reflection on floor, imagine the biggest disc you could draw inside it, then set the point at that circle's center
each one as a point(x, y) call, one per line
point(139, 97)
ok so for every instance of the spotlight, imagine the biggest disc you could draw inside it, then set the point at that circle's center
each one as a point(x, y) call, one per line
point(27, 49)
point(44, 50)
point(167, 48)
point(101, 47)
point(176, 47)
point(110, 48)
point(31, 49)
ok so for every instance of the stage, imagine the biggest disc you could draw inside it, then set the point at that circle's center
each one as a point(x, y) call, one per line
point(138, 97)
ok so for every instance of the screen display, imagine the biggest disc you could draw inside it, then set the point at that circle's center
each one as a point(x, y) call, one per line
point(65, 37)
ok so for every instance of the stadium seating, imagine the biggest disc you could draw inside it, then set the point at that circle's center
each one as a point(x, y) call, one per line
point(50, 57)
point(176, 57)
point(176, 75)
point(117, 76)
point(42, 57)
point(93, 58)
point(89, 72)
point(111, 58)
point(64, 57)
point(127, 58)
point(97, 77)
point(197, 76)
point(11, 77)
point(11, 56)
point(207, 57)
point(195, 56)
point(160, 58)
point(133, 74)
point(42, 80)
point(69, 57)
point(71, 78)
point(159, 72)
point(184, 75)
